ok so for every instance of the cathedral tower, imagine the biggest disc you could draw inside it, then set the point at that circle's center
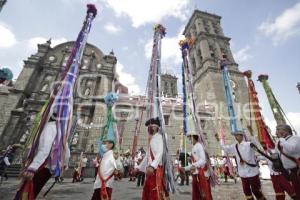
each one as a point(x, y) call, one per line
point(209, 48)
point(169, 85)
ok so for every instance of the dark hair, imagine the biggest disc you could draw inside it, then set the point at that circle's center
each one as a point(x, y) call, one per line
point(111, 142)
point(285, 127)
point(52, 118)
point(195, 137)
point(153, 121)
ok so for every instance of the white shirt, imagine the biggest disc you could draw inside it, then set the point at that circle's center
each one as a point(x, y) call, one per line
point(45, 144)
point(84, 162)
point(96, 162)
point(107, 167)
point(212, 162)
point(119, 164)
point(225, 162)
point(156, 145)
point(291, 147)
point(248, 155)
point(199, 158)
point(6, 161)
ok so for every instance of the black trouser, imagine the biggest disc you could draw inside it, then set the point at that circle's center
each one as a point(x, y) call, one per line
point(185, 177)
point(40, 179)
point(140, 179)
point(126, 170)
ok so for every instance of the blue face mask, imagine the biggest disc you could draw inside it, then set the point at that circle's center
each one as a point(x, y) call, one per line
point(103, 148)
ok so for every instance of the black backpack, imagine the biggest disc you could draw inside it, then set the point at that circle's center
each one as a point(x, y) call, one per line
point(278, 166)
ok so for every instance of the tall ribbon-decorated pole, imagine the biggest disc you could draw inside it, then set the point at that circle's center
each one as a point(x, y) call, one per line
point(263, 133)
point(154, 106)
point(2, 3)
point(222, 142)
point(191, 121)
point(234, 126)
point(62, 95)
point(61, 99)
point(110, 130)
point(278, 113)
point(137, 131)
point(276, 109)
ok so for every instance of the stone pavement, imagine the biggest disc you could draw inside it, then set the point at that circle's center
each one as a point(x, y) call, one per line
point(127, 190)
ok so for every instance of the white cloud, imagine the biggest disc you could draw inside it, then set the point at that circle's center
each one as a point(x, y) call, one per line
point(7, 37)
point(145, 11)
point(242, 55)
point(294, 118)
point(111, 28)
point(284, 26)
point(128, 80)
point(33, 42)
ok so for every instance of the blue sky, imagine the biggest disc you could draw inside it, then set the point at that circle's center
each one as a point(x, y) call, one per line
point(265, 37)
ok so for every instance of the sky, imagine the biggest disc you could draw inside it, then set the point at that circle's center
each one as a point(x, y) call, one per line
point(265, 38)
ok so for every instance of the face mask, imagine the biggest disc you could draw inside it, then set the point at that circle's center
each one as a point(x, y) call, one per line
point(103, 148)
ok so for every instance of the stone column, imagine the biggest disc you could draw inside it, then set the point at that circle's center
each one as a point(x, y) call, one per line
point(229, 53)
point(196, 60)
point(198, 56)
point(204, 49)
point(211, 28)
point(192, 33)
point(219, 52)
point(199, 25)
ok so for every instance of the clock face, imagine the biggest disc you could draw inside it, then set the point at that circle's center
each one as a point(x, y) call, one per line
point(233, 84)
point(52, 58)
point(99, 66)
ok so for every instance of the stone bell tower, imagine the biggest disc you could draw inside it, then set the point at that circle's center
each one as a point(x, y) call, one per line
point(209, 48)
point(169, 85)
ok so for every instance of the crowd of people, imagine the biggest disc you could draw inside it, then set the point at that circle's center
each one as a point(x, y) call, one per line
point(145, 167)
point(223, 166)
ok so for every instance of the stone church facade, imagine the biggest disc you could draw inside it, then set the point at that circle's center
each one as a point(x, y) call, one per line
point(25, 98)
point(21, 101)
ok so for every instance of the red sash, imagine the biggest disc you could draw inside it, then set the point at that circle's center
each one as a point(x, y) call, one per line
point(103, 191)
point(203, 182)
point(25, 191)
point(205, 168)
point(160, 183)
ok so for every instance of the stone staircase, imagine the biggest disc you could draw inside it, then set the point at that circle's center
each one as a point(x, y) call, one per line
point(13, 170)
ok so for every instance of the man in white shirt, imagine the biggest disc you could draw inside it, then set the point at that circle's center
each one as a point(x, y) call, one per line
point(154, 187)
point(280, 183)
point(38, 171)
point(228, 169)
point(83, 163)
point(247, 167)
point(289, 148)
point(200, 184)
point(108, 169)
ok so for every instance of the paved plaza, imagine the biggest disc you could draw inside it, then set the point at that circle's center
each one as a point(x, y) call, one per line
point(127, 190)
